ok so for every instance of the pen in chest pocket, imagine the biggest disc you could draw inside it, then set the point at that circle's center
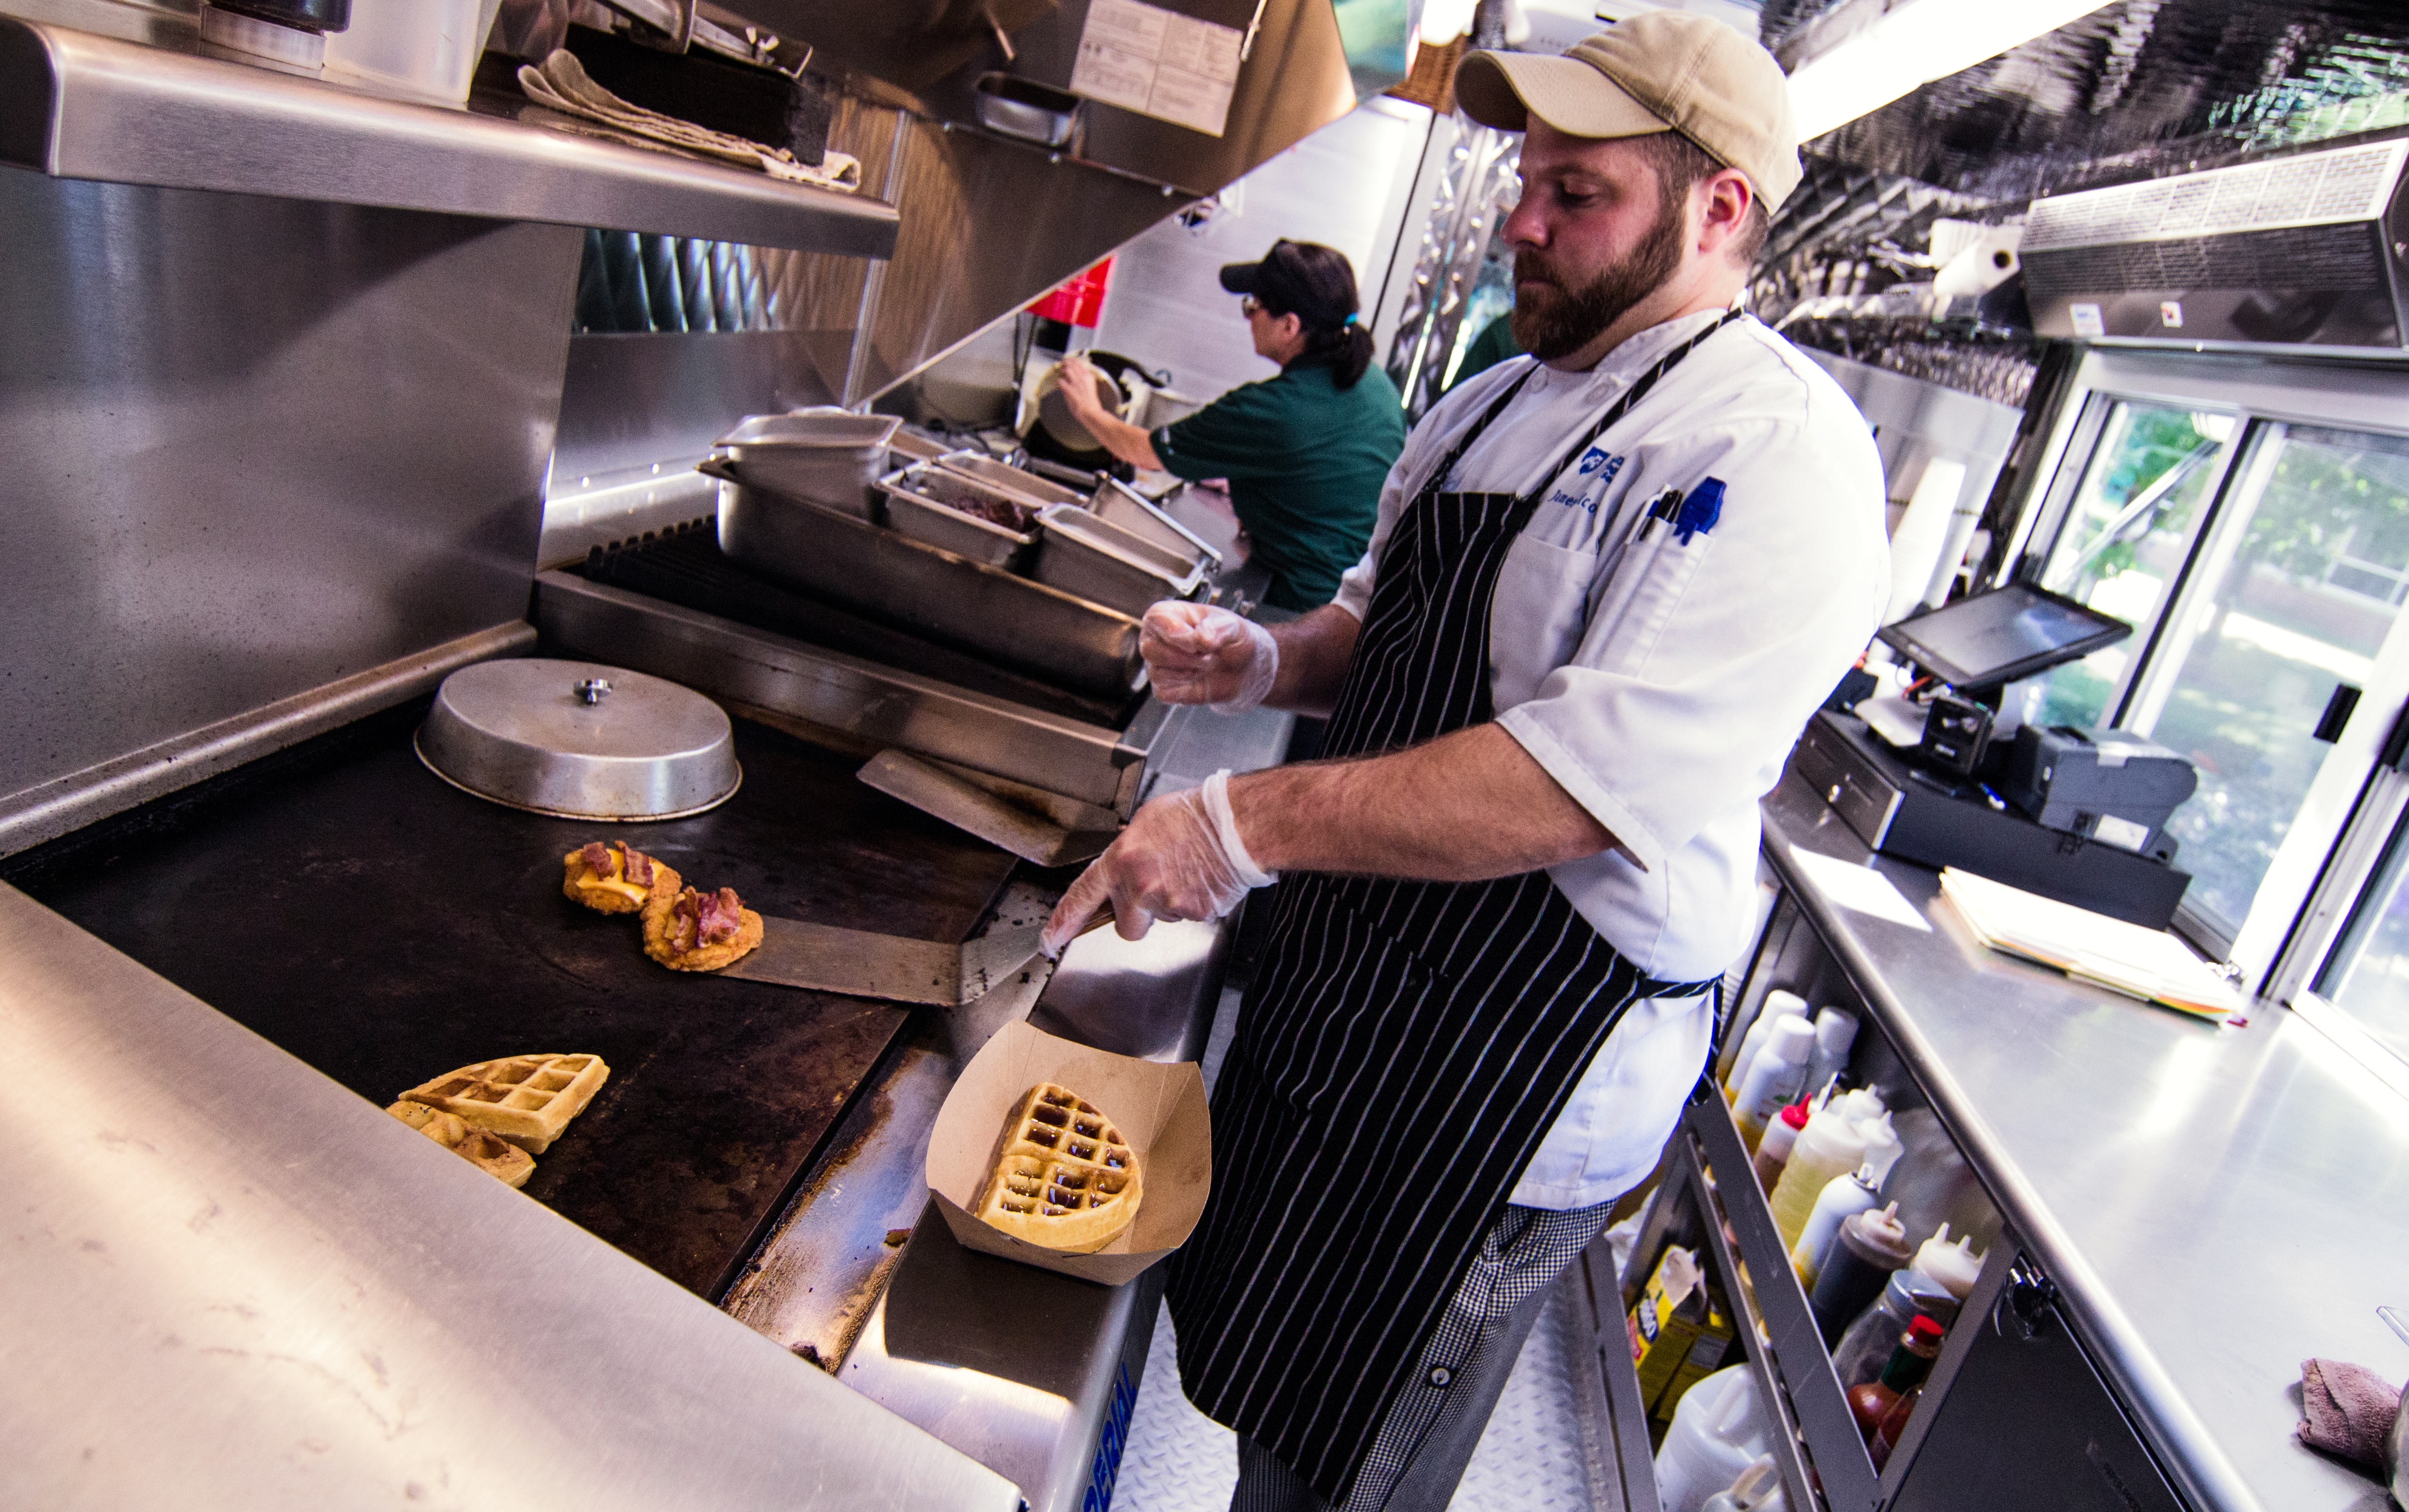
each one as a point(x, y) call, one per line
point(1634, 556)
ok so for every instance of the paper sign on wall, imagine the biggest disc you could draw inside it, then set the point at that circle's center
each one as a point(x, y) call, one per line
point(1158, 63)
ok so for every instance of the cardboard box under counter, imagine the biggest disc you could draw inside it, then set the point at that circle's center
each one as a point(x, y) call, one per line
point(1160, 1109)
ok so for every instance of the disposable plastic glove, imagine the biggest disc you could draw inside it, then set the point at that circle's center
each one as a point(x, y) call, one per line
point(1198, 654)
point(1180, 858)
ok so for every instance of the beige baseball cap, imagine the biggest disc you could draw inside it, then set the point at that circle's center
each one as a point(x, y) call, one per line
point(1664, 70)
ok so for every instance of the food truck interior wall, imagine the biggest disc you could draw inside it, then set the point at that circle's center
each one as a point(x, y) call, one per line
point(284, 462)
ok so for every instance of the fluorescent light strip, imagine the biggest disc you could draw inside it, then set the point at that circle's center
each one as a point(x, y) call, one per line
point(1913, 44)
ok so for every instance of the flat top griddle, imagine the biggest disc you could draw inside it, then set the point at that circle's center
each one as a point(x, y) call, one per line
point(349, 906)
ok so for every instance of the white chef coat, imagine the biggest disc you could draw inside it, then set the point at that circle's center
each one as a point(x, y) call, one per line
point(1668, 720)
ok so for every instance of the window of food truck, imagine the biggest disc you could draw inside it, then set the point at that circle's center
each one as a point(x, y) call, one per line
point(2296, 597)
point(2125, 538)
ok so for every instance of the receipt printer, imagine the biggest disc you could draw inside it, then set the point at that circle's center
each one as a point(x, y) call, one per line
point(2102, 784)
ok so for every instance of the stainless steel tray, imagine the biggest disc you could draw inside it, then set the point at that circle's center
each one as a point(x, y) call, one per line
point(1105, 564)
point(1076, 645)
point(1117, 503)
point(923, 503)
point(830, 457)
point(1017, 481)
point(906, 447)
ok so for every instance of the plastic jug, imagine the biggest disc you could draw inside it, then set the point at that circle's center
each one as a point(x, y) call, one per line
point(1774, 1079)
point(1843, 1198)
point(1758, 1490)
point(1773, 1151)
point(1778, 1006)
point(1833, 1143)
point(426, 48)
point(1718, 1432)
point(1932, 1184)
point(1835, 1032)
point(1870, 1247)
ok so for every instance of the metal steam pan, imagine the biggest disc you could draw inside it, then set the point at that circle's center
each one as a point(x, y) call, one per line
point(961, 514)
point(1105, 564)
point(830, 457)
point(1018, 482)
point(1075, 644)
point(1117, 503)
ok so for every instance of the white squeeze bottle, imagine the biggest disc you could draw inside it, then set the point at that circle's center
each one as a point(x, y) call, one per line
point(1842, 1198)
point(1778, 1006)
point(1774, 1078)
point(1954, 1265)
point(1832, 1144)
point(1835, 1032)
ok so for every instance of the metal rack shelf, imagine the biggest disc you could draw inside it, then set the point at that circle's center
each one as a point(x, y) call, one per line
point(78, 105)
point(1817, 1444)
point(1634, 1472)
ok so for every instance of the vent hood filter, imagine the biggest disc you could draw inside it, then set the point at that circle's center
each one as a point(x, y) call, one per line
point(2305, 249)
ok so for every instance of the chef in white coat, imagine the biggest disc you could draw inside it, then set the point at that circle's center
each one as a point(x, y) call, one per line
point(1609, 583)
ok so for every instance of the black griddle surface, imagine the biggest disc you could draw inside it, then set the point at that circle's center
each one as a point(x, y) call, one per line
point(385, 928)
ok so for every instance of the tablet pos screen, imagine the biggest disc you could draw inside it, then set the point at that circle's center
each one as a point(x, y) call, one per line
point(1997, 637)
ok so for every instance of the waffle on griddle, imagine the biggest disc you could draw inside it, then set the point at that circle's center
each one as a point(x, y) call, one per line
point(1063, 1175)
point(505, 1162)
point(528, 1100)
point(605, 878)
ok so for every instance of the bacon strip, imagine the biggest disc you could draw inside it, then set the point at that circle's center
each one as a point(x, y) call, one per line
point(634, 864)
point(597, 859)
point(718, 917)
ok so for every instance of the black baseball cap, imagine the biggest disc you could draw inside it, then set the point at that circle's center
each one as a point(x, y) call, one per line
point(1305, 278)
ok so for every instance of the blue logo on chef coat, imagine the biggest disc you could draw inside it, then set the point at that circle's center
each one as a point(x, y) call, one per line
point(1596, 470)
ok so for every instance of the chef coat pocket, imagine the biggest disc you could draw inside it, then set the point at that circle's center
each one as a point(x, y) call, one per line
point(1536, 617)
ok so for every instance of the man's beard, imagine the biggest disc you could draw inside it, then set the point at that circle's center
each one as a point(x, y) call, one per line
point(1552, 320)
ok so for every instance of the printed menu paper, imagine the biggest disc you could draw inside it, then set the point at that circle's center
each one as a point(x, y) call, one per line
point(1158, 63)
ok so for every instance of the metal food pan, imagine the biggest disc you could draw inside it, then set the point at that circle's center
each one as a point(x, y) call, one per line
point(1117, 503)
point(906, 447)
point(830, 456)
point(1017, 481)
point(925, 502)
point(1105, 564)
point(1075, 644)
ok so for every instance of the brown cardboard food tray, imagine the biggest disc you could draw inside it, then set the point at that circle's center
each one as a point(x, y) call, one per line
point(1159, 1108)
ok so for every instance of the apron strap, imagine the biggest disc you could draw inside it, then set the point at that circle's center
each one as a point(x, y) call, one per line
point(1528, 504)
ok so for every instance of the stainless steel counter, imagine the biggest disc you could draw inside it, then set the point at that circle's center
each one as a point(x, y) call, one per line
point(233, 1284)
point(2217, 1203)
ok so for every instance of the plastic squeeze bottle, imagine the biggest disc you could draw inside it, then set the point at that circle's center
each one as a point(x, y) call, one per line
point(1774, 1078)
point(1778, 1006)
point(1835, 1032)
point(1773, 1152)
point(1833, 1143)
point(1954, 1265)
point(1843, 1198)
point(1869, 1247)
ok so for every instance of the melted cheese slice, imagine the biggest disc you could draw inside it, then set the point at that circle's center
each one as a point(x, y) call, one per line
point(629, 890)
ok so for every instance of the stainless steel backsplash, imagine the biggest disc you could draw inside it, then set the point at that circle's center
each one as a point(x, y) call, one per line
point(255, 446)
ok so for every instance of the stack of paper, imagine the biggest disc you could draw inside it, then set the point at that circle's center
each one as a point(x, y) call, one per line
point(2150, 964)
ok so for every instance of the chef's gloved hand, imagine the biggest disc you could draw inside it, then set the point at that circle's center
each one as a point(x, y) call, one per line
point(1198, 654)
point(1180, 858)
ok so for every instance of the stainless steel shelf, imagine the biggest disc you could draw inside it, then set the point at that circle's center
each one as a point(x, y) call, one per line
point(78, 105)
point(1633, 1475)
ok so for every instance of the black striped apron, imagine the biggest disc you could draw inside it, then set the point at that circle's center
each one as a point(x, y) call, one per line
point(1403, 1048)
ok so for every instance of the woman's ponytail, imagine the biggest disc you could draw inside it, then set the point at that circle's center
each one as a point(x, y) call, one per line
point(1346, 352)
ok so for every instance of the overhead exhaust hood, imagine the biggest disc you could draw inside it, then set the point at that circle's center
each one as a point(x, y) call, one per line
point(2306, 250)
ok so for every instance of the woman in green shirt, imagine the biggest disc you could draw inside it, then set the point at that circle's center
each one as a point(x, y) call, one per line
point(1304, 453)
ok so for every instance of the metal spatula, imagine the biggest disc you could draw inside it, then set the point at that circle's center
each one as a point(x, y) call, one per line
point(859, 964)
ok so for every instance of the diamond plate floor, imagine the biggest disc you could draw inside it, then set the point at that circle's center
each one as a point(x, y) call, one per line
point(1532, 1458)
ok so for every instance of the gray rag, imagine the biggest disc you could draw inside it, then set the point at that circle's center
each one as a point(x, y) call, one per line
point(2347, 1410)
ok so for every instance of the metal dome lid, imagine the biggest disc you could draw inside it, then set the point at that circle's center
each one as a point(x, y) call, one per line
point(580, 740)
